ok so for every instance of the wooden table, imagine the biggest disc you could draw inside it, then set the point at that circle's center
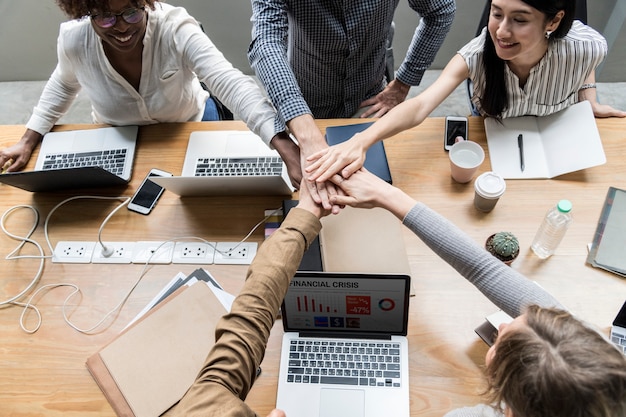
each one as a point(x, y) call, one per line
point(44, 373)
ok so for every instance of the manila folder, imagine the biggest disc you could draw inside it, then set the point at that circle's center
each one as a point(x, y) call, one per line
point(149, 366)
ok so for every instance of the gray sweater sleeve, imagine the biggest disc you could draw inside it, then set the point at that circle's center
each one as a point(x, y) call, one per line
point(504, 286)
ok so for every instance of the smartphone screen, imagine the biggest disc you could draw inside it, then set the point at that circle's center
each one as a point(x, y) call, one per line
point(455, 127)
point(146, 197)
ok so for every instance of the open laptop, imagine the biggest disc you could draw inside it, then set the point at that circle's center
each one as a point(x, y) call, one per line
point(335, 324)
point(229, 162)
point(80, 159)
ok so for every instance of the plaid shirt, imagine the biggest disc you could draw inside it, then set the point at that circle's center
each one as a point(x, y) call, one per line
point(331, 54)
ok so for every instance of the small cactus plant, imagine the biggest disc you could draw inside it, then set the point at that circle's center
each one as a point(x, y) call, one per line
point(504, 246)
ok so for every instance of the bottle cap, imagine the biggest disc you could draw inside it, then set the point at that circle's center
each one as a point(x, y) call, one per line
point(564, 206)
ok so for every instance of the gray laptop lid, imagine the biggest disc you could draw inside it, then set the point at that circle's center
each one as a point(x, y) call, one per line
point(226, 145)
point(85, 145)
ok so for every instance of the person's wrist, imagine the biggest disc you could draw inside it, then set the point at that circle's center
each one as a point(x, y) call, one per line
point(311, 207)
point(401, 86)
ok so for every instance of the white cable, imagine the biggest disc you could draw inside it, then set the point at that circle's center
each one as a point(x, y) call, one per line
point(250, 233)
point(125, 201)
point(29, 304)
point(23, 240)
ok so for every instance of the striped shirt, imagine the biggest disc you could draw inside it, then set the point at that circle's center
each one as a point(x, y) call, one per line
point(553, 83)
point(326, 57)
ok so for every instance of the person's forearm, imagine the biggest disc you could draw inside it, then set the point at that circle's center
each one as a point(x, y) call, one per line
point(308, 135)
point(242, 334)
point(503, 285)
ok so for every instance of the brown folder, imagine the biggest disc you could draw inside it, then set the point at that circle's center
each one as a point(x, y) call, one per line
point(364, 240)
point(150, 365)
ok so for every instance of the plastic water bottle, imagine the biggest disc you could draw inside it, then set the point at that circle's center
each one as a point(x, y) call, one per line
point(552, 229)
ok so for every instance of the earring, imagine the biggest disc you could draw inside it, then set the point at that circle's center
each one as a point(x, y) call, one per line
point(548, 33)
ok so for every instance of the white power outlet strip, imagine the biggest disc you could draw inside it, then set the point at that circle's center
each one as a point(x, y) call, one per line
point(235, 253)
point(153, 252)
point(193, 253)
point(73, 252)
point(122, 253)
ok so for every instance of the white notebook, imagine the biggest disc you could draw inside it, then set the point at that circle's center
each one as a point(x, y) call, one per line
point(552, 145)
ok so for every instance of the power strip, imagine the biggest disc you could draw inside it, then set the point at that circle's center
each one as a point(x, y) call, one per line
point(155, 252)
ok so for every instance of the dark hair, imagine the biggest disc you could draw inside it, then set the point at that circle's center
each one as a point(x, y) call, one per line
point(75, 9)
point(495, 99)
point(557, 366)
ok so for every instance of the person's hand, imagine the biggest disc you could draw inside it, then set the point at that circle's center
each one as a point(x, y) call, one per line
point(306, 202)
point(16, 157)
point(394, 93)
point(290, 154)
point(344, 159)
point(604, 110)
point(365, 190)
point(311, 141)
point(277, 413)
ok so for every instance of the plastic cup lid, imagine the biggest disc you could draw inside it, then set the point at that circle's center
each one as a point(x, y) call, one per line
point(490, 185)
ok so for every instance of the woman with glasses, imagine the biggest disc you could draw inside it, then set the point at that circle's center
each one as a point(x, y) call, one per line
point(141, 62)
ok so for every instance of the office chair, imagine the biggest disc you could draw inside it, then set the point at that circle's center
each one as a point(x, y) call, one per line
point(581, 14)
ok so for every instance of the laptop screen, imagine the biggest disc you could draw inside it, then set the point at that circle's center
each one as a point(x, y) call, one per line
point(347, 303)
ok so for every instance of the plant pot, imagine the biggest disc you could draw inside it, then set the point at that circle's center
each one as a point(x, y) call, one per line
point(512, 251)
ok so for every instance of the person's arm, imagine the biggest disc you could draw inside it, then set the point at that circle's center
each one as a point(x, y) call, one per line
point(503, 285)
point(267, 55)
point(588, 92)
point(241, 335)
point(290, 154)
point(435, 23)
point(56, 98)
point(349, 156)
point(268, 58)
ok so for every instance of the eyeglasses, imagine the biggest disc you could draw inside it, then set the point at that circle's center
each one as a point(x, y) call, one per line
point(131, 16)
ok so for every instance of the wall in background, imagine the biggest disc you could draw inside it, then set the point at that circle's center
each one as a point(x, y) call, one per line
point(29, 29)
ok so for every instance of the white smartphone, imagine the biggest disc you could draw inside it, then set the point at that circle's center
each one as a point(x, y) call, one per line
point(618, 330)
point(455, 126)
point(148, 193)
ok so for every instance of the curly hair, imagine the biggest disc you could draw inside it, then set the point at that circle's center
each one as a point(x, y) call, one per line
point(556, 366)
point(76, 9)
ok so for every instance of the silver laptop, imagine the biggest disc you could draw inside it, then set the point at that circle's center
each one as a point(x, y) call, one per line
point(229, 162)
point(111, 148)
point(345, 351)
point(80, 159)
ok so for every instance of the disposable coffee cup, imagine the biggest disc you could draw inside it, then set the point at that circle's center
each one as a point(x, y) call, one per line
point(465, 158)
point(488, 188)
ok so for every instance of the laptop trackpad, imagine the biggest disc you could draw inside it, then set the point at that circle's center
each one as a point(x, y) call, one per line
point(342, 403)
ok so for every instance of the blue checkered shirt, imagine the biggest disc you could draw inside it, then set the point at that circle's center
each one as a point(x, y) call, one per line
point(330, 54)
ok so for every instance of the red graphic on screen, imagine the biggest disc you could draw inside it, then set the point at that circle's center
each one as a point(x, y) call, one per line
point(308, 304)
point(358, 304)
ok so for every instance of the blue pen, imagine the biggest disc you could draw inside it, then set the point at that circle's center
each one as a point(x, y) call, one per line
point(520, 145)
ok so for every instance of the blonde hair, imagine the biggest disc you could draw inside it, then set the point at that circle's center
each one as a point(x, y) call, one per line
point(556, 366)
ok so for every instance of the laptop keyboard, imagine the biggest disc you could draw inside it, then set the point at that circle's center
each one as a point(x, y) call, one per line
point(618, 336)
point(344, 363)
point(261, 166)
point(112, 160)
